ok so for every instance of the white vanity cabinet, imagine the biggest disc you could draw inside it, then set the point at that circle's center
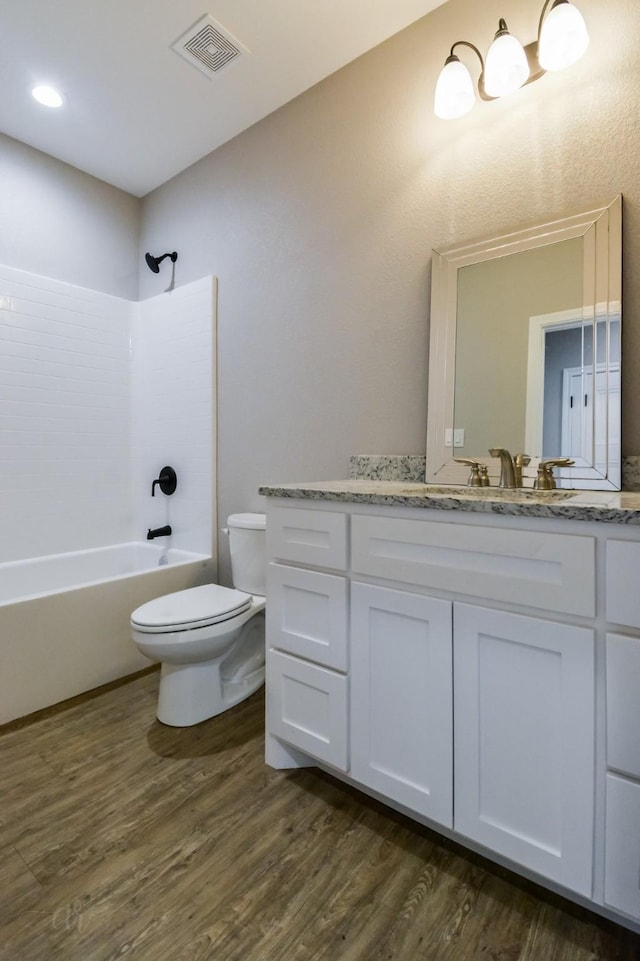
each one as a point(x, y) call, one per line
point(453, 664)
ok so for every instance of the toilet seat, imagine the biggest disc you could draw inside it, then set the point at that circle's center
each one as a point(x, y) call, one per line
point(190, 609)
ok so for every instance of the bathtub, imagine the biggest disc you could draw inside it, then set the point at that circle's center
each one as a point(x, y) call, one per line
point(64, 619)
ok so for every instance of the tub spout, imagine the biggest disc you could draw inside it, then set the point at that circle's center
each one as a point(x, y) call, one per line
point(159, 532)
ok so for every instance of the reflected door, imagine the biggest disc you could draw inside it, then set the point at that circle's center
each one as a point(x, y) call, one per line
point(582, 406)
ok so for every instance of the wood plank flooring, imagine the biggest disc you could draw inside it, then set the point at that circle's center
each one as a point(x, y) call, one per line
point(123, 838)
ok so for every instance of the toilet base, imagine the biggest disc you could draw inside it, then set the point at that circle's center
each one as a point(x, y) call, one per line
point(191, 693)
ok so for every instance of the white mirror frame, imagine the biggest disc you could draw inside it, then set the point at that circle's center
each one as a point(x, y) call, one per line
point(601, 230)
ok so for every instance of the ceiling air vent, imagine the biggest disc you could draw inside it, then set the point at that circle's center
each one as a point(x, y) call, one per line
point(208, 46)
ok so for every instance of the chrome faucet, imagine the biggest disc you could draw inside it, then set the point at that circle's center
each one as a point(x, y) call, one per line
point(507, 469)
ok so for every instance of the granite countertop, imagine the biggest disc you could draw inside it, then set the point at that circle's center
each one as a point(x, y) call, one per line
point(614, 507)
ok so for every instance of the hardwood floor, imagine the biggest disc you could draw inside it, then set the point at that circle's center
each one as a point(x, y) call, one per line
point(121, 837)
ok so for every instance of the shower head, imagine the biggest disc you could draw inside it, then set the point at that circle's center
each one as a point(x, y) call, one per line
point(153, 263)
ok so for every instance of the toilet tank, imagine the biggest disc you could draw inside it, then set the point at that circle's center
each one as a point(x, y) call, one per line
point(247, 543)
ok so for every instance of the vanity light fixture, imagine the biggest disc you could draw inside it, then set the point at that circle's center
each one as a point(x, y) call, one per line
point(562, 39)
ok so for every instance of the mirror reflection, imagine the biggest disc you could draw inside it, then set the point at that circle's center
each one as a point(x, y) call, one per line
point(525, 351)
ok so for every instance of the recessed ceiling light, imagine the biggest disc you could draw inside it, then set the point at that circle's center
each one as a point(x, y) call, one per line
point(47, 96)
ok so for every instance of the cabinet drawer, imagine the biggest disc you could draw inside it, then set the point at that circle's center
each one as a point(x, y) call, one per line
point(555, 572)
point(622, 853)
point(623, 582)
point(307, 708)
point(311, 537)
point(307, 614)
point(623, 704)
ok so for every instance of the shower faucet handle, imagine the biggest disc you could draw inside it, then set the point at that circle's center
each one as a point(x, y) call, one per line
point(167, 480)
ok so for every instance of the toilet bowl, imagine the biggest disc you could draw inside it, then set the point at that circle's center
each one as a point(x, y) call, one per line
point(210, 640)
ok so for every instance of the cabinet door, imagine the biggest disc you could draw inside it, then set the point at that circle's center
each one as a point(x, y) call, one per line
point(401, 698)
point(524, 741)
point(307, 708)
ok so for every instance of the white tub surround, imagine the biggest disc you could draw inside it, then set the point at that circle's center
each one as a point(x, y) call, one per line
point(173, 402)
point(65, 629)
point(445, 652)
point(98, 394)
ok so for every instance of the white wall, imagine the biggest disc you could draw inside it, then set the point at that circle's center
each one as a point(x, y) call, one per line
point(319, 223)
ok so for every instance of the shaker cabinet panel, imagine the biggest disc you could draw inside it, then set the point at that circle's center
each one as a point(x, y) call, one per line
point(623, 704)
point(553, 572)
point(307, 614)
point(401, 698)
point(307, 708)
point(623, 582)
point(318, 538)
point(524, 741)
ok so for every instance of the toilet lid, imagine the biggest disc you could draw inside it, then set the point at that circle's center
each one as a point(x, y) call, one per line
point(195, 607)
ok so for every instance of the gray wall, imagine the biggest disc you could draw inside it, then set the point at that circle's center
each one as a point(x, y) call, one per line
point(319, 222)
point(61, 223)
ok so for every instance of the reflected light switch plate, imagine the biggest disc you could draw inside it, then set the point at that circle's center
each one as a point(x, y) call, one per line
point(458, 437)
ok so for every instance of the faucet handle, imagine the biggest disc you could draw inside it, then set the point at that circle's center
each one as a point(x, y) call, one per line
point(475, 478)
point(557, 462)
point(545, 480)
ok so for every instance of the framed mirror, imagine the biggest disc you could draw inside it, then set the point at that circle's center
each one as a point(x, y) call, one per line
point(525, 351)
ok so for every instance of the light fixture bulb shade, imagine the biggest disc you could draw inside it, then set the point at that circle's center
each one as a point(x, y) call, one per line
point(563, 37)
point(454, 96)
point(506, 67)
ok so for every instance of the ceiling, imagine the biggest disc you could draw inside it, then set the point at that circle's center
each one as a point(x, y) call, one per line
point(136, 113)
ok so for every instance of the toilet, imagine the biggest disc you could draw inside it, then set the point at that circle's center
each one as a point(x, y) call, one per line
point(210, 640)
